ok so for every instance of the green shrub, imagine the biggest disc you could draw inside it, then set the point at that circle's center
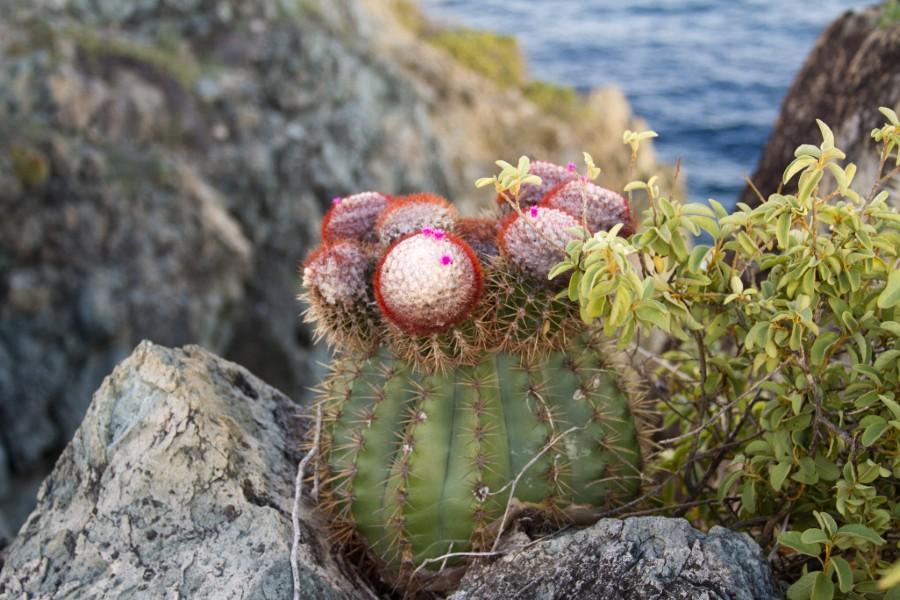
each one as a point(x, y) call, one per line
point(781, 394)
point(554, 99)
point(890, 13)
point(497, 57)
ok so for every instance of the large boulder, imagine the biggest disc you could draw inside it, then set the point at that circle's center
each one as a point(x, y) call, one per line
point(178, 484)
point(164, 166)
point(636, 558)
point(853, 69)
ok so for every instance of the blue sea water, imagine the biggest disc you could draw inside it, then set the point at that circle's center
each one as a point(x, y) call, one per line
point(707, 75)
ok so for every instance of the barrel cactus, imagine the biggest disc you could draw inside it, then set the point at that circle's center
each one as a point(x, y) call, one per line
point(462, 390)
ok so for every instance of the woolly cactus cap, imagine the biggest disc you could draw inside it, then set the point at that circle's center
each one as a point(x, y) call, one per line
point(427, 282)
point(552, 175)
point(605, 208)
point(412, 213)
point(480, 234)
point(353, 217)
point(338, 272)
point(534, 242)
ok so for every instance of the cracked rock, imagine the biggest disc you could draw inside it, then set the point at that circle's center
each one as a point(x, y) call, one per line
point(633, 559)
point(178, 484)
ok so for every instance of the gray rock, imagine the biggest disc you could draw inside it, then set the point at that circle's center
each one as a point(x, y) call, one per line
point(178, 484)
point(631, 559)
point(853, 69)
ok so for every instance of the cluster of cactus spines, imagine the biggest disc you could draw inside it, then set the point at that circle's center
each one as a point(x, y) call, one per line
point(354, 217)
point(552, 175)
point(481, 235)
point(535, 240)
point(457, 365)
point(527, 319)
point(597, 206)
point(428, 281)
point(421, 465)
point(413, 213)
point(338, 294)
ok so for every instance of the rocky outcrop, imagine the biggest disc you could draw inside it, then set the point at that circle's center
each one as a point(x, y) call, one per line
point(163, 167)
point(853, 69)
point(636, 558)
point(178, 484)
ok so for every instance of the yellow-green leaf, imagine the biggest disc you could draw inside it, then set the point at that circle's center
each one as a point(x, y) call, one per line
point(890, 296)
point(844, 573)
point(778, 474)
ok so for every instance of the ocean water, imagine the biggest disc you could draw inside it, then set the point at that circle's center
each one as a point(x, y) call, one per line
point(707, 75)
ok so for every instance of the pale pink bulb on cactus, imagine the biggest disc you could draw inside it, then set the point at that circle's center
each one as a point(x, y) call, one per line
point(602, 208)
point(551, 176)
point(414, 213)
point(353, 217)
point(534, 243)
point(338, 272)
point(426, 284)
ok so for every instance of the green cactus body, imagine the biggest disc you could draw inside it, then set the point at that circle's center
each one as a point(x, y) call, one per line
point(422, 465)
point(464, 389)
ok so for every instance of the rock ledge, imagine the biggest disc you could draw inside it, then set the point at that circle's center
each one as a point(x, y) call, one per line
point(178, 484)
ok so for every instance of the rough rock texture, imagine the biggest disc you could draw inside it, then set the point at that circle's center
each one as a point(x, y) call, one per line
point(164, 165)
point(646, 557)
point(853, 69)
point(178, 484)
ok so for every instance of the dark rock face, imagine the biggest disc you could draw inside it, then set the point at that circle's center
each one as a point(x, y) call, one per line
point(169, 192)
point(853, 69)
point(646, 557)
point(179, 483)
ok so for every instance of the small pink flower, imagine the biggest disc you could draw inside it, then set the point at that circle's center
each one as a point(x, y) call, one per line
point(427, 231)
point(336, 200)
point(570, 167)
point(446, 259)
point(584, 179)
point(439, 235)
point(533, 211)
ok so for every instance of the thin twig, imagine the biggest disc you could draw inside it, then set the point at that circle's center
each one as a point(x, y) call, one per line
point(512, 485)
point(298, 496)
point(720, 455)
point(664, 364)
point(704, 406)
point(679, 507)
point(716, 416)
point(755, 189)
point(445, 557)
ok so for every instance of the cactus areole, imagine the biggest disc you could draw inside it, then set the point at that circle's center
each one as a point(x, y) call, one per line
point(462, 389)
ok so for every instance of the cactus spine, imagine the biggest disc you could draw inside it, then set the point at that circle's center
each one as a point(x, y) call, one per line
point(463, 386)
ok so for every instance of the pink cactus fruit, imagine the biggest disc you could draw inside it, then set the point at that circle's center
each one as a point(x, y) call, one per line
point(605, 208)
point(412, 213)
point(480, 234)
point(551, 176)
point(535, 241)
point(353, 217)
point(338, 272)
point(427, 282)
